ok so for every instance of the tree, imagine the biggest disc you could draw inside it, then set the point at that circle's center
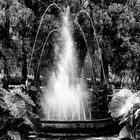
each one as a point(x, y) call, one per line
point(115, 23)
point(6, 43)
point(22, 30)
point(17, 33)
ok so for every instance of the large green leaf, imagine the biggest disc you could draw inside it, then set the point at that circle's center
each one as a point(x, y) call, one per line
point(125, 105)
point(124, 133)
point(3, 93)
point(124, 93)
point(16, 106)
point(118, 104)
point(136, 107)
point(28, 121)
point(18, 103)
point(137, 94)
point(25, 97)
point(14, 135)
point(3, 104)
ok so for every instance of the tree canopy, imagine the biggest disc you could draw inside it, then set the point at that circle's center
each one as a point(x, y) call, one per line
point(116, 26)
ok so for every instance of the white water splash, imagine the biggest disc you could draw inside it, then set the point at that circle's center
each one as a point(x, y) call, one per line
point(66, 97)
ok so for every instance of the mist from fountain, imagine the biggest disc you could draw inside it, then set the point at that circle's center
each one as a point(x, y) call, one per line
point(66, 96)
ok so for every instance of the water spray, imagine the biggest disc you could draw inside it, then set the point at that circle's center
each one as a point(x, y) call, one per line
point(55, 30)
point(93, 77)
point(66, 96)
point(42, 18)
point(97, 41)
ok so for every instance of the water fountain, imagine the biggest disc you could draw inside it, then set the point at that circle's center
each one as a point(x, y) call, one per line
point(65, 102)
point(42, 18)
point(66, 97)
point(99, 49)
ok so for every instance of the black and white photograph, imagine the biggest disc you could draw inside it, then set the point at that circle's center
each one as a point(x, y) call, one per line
point(69, 69)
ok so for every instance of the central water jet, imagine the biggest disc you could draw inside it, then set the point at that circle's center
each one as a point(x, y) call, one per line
point(66, 96)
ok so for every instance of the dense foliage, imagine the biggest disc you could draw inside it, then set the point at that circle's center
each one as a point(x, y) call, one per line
point(17, 117)
point(117, 30)
point(109, 49)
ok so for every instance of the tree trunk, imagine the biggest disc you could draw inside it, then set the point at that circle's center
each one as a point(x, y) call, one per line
point(24, 64)
point(6, 46)
point(36, 78)
point(24, 55)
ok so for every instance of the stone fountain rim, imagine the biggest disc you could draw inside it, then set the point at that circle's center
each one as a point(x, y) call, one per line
point(78, 129)
point(77, 121)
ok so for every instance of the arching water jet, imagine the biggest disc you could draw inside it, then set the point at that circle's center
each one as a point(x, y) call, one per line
point(66, 97)
point(39, 62)
point(99, 49)
point(42, 18)
point(88, 52)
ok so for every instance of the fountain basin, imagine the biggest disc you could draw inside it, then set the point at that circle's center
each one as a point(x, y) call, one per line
point(94, 128)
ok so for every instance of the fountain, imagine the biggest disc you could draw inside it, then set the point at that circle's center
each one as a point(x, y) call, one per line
point(66, 101)
point(39, 62)
point(33, 49)
point(66, 97)
point(99, 49)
